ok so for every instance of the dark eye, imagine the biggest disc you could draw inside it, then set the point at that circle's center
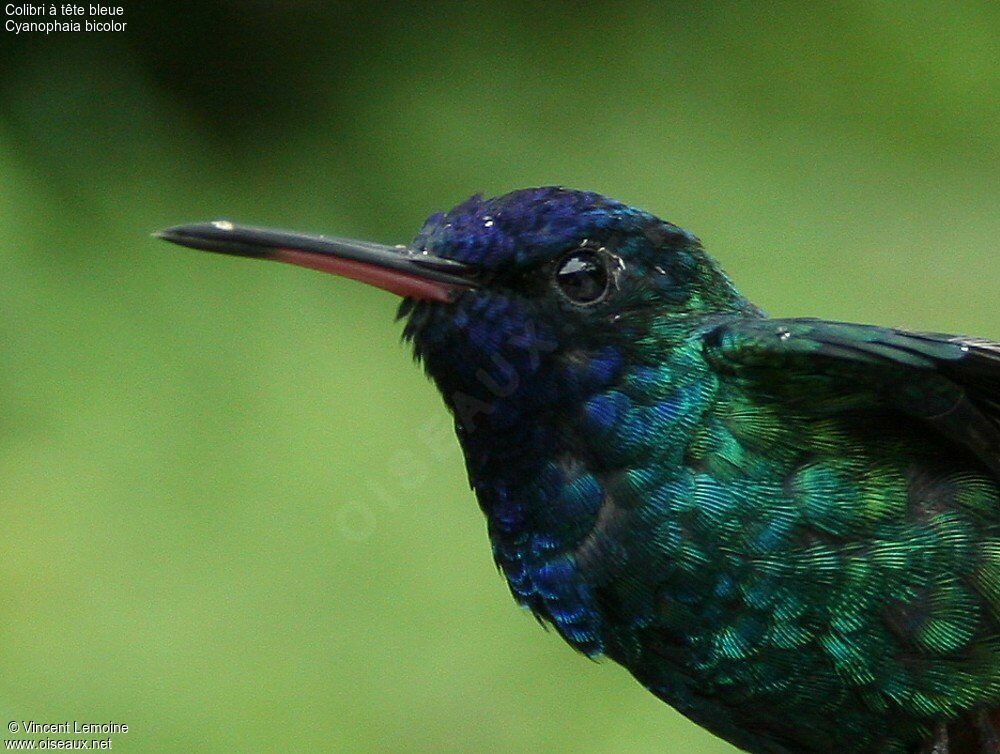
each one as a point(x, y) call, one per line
point(582, 276)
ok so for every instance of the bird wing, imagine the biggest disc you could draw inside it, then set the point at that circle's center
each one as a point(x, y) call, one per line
point(951, 383)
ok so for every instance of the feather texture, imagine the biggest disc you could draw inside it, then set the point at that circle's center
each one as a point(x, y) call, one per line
point(787, 529)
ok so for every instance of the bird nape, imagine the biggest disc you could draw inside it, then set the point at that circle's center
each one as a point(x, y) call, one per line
point(788, 529)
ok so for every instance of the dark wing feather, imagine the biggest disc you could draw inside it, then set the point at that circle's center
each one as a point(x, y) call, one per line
point(950, 382)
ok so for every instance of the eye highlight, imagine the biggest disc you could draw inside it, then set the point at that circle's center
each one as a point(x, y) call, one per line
point(582, 276)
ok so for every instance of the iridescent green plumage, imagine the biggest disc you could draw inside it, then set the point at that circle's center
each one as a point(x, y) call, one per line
point(831, 532)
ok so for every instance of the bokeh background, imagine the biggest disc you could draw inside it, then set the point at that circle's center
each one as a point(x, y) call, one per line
point(234, 515)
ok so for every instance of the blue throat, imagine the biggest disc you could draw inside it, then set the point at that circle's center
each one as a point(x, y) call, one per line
point(514, 392)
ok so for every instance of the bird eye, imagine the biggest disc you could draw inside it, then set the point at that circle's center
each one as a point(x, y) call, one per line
point(582, 276)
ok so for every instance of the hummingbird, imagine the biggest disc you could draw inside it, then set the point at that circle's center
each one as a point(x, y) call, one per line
point(787, 529)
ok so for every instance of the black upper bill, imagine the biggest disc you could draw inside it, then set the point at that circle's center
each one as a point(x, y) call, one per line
point(224, 237)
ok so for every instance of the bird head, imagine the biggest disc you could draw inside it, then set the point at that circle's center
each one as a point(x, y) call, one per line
point(517, 303)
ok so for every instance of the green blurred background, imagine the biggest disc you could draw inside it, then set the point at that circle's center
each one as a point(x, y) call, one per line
point(235, 515)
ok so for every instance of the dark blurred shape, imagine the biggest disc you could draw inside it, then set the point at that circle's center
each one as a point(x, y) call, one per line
point(239, 70)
